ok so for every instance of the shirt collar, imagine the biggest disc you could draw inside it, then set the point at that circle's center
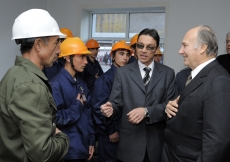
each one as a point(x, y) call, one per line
point(142, 66)
point(200, 67)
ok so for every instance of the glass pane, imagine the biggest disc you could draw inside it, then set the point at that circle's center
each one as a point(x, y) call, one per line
point(105, 48)
point(109, 25)
point(139, 21)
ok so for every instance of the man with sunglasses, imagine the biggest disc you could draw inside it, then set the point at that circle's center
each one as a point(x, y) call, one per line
point(27, 109)
point(140, 93)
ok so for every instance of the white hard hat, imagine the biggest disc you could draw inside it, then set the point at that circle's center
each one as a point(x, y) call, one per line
point(35, 23)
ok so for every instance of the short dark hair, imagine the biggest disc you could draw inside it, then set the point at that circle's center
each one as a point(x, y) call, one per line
point(120, 49)
point(27, 43)
point(151, 32)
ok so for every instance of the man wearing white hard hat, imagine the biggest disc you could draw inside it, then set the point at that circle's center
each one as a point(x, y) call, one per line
point(27, 109)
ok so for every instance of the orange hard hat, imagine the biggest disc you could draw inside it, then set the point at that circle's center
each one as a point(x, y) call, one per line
point(158, 52)
point(134, 40)
point(67, 32)
point(92, 44)
point(120, 45)
point(73, 46)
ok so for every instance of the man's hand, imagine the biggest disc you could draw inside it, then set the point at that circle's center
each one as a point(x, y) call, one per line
point(114, 137)
point(57, 131)
point(80, 98)
point(107, 109)
point(91, 151)
point(96, 76)
point(136, 115)
point(172, 108)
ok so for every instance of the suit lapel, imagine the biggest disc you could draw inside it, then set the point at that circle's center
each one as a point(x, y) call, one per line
point(135, 75)
point(197, 81)
point(156, 76)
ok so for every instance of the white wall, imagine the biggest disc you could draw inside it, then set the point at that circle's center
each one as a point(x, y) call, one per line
point(9, 10)
point(181, 15)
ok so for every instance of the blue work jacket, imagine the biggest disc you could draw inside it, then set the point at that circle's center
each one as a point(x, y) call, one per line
point(102, 90)
point(50, 72)
point(91, 69)
point(73, 118)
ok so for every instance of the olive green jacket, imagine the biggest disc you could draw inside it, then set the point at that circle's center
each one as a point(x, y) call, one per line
point(27, 111)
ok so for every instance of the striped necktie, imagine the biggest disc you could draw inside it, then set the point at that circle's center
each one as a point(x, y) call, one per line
point(146, 78)
point(188, 80)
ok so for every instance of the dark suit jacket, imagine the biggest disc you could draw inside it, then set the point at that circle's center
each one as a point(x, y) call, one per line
point(128, 92)
point(200, 131)
point(181, 78)
point(224, 60)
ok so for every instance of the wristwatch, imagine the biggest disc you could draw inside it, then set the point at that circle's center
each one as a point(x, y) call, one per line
point(146, 112)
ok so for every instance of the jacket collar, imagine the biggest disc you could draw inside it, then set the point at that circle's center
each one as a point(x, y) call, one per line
point(68, 76)
point(197, 80)
point(136, 76)
point(30, 66)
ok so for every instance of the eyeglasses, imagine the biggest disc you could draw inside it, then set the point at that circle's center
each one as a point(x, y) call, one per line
point(227, 41)
point(148, 47)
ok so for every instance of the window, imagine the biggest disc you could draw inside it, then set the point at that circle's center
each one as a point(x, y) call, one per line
point(107, 28)
point(109, 25)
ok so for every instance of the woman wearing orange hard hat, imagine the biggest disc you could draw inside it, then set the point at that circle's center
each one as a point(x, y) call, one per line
point(108, 135)
point(71, 97)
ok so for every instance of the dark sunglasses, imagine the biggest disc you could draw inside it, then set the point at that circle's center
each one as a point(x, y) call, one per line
point(148, 47)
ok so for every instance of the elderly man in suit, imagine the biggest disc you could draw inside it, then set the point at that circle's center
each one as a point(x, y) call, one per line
point(140, 93)
point(198, 127)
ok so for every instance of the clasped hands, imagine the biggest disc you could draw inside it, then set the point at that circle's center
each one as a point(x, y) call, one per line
point(135, 116)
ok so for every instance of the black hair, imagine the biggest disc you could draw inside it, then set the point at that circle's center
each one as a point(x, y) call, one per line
point(151, 32)
point(120, 49)
point(27, 43)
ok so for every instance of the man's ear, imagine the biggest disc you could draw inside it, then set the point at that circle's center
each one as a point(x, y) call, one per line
point(67, 58)
point(203, 48)
point(38, 44)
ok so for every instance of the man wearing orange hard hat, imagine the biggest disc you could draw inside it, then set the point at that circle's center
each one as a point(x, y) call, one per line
point(50, 72)
point(71, 97)
point(108, 135)
point(158, 55)
point(67, 32)
point(93, 69)
point(133, 42)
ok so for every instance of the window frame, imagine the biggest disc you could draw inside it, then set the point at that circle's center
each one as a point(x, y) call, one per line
point(126, 38)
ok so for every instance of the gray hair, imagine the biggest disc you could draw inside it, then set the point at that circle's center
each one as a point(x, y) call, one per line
point(208, 37)
point(228, 35)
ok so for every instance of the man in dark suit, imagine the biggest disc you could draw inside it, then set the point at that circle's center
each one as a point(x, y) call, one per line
point(224, 60)
point(198, 126)
point(141, 103)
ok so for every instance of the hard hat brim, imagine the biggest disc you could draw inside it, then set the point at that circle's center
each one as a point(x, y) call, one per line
point(84, 52)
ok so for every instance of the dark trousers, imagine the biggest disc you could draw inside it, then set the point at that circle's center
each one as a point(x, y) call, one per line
point(146, 158)
point(107, 150)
